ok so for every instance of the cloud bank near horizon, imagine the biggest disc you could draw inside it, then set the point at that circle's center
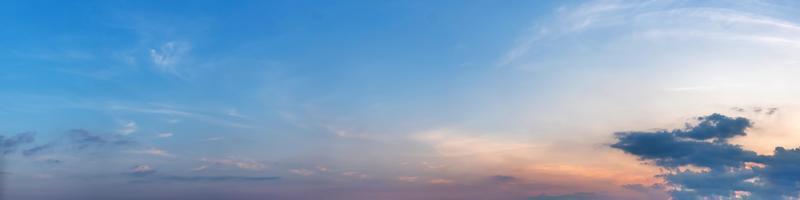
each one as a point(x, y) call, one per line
point(701, 163)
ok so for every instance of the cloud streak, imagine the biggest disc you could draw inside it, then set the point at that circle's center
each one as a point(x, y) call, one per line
point(10, 144)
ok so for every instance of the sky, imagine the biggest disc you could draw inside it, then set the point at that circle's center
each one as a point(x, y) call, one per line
point(536, 100)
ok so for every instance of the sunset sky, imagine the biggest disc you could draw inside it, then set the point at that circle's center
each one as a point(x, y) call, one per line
point(352, 100)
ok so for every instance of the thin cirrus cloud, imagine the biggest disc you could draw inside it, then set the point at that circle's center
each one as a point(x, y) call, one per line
point(142, 173)
point(402, 101)
point(152, 152)
point(165, 135)
point(168, 56)
point(657, 20)
point(128, 128)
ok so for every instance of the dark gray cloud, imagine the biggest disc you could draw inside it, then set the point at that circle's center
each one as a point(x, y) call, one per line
point(757, 110)
point(52, 161)
point(503, 178)
point(141, 171)
point(667, 149)
point(10, 144)
point(725, 165)
point(80, 139)
point(715, 126)
point(37, 149)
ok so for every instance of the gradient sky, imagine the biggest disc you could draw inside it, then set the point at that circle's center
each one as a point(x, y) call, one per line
point(379, 99)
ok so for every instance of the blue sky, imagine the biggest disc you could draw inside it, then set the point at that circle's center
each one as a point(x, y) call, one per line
point(386, 100)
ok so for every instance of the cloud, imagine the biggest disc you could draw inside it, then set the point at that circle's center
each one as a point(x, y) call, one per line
point(167, 57)
point(141, 170)
point(302, 172)
point(82, 139)
point(149, 173)
point(240, 163)
point(409, 179)
point(725, 170)
point(174, 111)
point(10, 144)
point(52, 161)
point(743, 22)
point(35, 150)
point(757, 110)
point(214, 139)
point(440, 181)
point(128, 128)
point(689, 146)
point(164, 135)
point(503, 178)
point(218, 178)
point(152, 151)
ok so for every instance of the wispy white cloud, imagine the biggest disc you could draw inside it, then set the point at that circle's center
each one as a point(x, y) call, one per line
point(168, 55)
point(152, 151)
point(128, 128)
point(355, 174)
point(235, 113)
point(239, 163)
point(173, 111)
point(440, 181)
point(164, 135)
point(141, 170)
point(657, 20)
point(302, 172)
point(409, 179)
point(200, 168)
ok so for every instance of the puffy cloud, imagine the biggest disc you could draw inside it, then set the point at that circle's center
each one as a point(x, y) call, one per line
point(725, 170)
point(715, 126)
point(667, 149)
point(200, 168)
point(689, 146)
